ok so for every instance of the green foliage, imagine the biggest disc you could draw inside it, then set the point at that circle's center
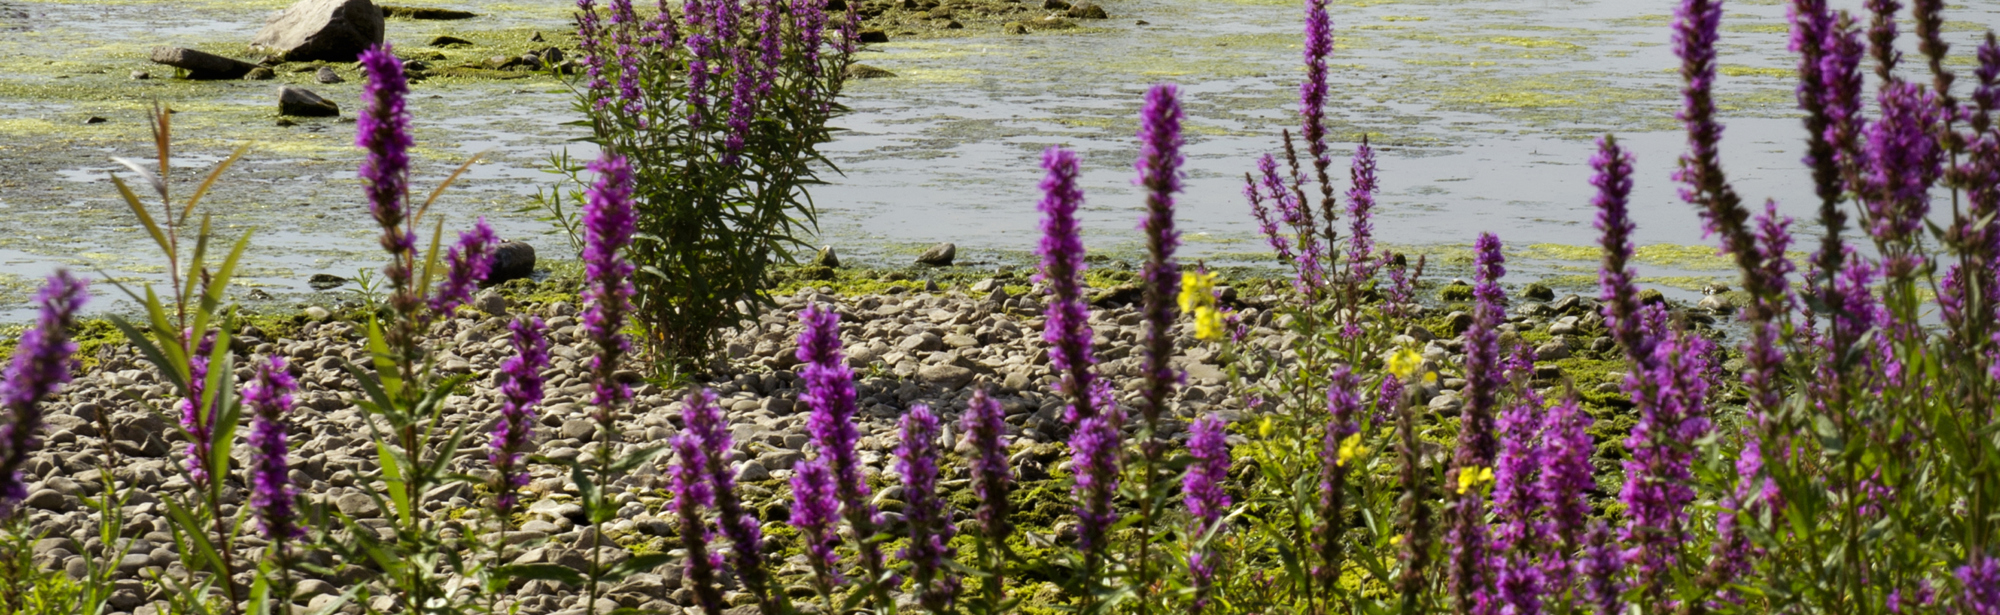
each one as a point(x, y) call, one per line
point(722, 183)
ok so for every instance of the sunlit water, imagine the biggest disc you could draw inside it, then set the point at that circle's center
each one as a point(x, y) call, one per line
point(1482, 114)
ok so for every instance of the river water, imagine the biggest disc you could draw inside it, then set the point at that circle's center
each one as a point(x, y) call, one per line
point(1482, 113)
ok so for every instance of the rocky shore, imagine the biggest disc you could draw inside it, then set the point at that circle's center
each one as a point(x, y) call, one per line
point(908, 346)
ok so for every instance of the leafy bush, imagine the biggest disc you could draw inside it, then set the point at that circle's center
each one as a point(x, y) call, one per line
point(720, 109)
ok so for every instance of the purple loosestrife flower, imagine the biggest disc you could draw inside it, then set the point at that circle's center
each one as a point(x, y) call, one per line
point(1202, 489)
point(1565, 484)
point(1159, 168)
point(268, 396)
point(928, 515)
point(608, 223)
point(383, 129)
point(43, 358)
point(1840, 74)
point(1472, 578)
point(623, 20)
point(1603, 593)
point(1311, 275)
point(1882, 38)
point(1094, 449)
point(1360, 204)
point(199, 423)
point(691, 493)
point(1904, 160)
point(1670, 392)
point(769, 44)
point(706, 423)
point(590, 42)
point(810, 17)
point(1068, 327)
point(1312, 103)
point(742, 105)
point(1202, 485)
point(986, 428)
point(830, 395)
point(521, 381)
point(1402, 283)
point(816, 513)
point(1267, 224)
point(467, 264)
point(1621, 297)
point(1980, 581)
point(1338, 445)
point(1696, 25)
point(1517, 503)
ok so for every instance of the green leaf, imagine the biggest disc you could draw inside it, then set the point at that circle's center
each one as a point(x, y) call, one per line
point(541, 572)
point(636, 565)
point(392, 462)
point(385, 362)
point(189, 528)
point(152, 352)
point(145, 218)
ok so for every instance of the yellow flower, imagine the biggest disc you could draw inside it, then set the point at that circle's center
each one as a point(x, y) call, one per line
point(1197, 289)
point(1405, 363)
point(1396, 540)
point(1265, 428)
point(1472, 477)
point(1349, 449)
point(1207, 324)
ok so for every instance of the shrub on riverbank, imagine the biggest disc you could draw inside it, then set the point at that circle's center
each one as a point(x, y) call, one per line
point(1847, 465)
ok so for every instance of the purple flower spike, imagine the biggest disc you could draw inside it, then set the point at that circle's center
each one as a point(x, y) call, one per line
point(1519, 534)
point(1202, 485)
point(199, 424)
point(268, 397)
point(691, 493)
point(43, 359)
point(1472, 579)
point(1670, 390)
point(928, 515)
point(1981, 583)
point(1904, 161)
point(986, 427)
point(1565, 484)
point(830, 395)
point(1159, 171)
point(1068, 327)
point(467, 264)
point(1360, 205)
point(1255, 193)
point(706, 424)
point(1204, 496)
point(816, 513)
point(608, 224)
point(1343, 404)
point(1602, 567)
point(521, 383)
point(1621, 297)
point(383, 129)
point(1094, 449)
point(1312, 92)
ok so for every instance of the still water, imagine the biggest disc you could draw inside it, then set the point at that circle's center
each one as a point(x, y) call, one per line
point(1482, 114)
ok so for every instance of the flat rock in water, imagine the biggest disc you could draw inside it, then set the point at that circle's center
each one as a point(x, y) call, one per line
point(864, 71)
point(326, 75)
point(201, 64)
point(940, 255)
point(425, 13)
point(513, 260)
point(331, 30)
point(450, 41)
point(303, 102)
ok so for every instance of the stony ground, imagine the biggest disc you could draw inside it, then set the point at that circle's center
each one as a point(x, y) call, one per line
point(915, 346)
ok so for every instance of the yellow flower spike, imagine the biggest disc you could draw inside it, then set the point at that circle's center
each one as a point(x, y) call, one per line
point(1349, 449)
point(1265, 428)
point(1207, 324)
point(1404, 363)
point(1473, 477)
point(1197, 290)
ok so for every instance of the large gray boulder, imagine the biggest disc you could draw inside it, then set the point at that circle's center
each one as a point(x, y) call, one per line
point(330, 30)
